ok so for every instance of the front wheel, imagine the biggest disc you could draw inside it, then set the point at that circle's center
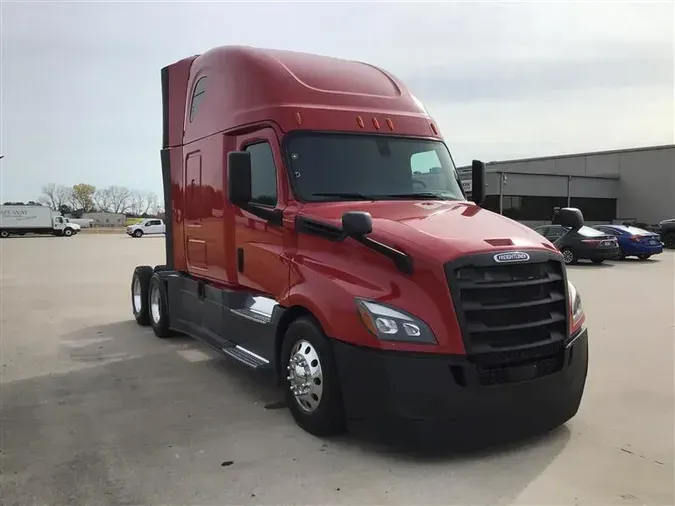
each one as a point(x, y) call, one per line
point(568, 256)
point(138, 233)
point(68, 232)
point(644, 257)
point(311, 381)
point(4, 234)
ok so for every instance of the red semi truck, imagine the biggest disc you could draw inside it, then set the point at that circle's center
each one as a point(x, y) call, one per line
point(315, 227)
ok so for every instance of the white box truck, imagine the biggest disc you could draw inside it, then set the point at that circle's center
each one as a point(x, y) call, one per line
point(21, 220)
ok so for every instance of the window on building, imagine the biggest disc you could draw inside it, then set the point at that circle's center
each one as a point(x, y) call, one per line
point(539, 208)
point(595, 209)
point(511, 206)
point(263, 174)
point(491, 203)
point(525, 208)
point(197, 96)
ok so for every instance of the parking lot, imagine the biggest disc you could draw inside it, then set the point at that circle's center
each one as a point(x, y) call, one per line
point(96, 410)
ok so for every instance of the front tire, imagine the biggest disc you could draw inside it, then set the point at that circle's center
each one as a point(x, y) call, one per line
point(158, 307)
point(140, 282)
point(569, 257)
point(138, 233)
point(68, 232)
point(311, 380)
point(4, 234)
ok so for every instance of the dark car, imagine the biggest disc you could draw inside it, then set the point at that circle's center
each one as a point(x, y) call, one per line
point(667, 231)
point(584, 243)
point(634, 241)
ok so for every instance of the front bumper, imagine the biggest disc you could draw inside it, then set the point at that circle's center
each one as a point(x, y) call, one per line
point(453, 392)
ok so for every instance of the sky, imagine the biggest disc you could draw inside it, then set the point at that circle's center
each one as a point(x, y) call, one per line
point(80, 83)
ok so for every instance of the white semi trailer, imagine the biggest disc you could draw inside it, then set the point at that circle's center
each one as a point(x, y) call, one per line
point(22, 220)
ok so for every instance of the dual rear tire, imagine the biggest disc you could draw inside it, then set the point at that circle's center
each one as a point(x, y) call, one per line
point(149, 300)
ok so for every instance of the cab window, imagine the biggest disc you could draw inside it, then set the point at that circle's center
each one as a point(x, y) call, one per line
point(263, 174)
point(197, 97)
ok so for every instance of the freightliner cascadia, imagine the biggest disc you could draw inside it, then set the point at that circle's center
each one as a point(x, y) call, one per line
point(316, 228)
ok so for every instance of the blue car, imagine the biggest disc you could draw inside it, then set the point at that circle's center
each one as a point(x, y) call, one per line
point(634, 241)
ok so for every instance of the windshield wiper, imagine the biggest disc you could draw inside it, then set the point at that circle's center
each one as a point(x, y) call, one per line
point(346, 195)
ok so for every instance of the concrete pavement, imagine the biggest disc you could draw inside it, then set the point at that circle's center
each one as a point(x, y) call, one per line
point(97, 410)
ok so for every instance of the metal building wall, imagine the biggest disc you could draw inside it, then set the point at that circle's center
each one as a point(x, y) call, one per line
point(647, 185)
point(642, 180)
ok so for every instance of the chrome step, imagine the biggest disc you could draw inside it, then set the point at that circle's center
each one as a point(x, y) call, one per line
point(246, 357)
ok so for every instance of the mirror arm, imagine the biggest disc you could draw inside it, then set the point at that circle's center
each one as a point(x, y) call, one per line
point(402, 260)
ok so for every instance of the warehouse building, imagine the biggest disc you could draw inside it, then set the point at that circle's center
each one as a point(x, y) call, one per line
point(608, 186)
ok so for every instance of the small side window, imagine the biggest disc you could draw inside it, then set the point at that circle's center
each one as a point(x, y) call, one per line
point(263, 174)
point(197, 96)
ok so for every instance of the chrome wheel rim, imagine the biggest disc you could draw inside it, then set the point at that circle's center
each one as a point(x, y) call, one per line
point(137, 300)
point(567, 256)
point(154, 303)
point(305, 376)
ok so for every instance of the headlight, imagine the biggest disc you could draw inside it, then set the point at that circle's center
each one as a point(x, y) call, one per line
point(577, 315)
point(390, 324)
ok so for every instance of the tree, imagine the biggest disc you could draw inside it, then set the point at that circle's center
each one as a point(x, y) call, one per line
point(55, 196)
point(143, 203)
point(114, 199)
point(82, 197)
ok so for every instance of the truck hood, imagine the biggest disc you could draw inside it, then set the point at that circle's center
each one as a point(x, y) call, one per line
point(443, 229)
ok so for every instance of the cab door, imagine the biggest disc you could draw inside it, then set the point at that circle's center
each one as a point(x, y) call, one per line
point(262, 270)
point(58, 223)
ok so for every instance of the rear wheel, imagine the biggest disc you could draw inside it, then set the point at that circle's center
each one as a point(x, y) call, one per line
point(643, 257)
point(158, 307)
point(140, 282)
point(311, 381)
point(4, 234)
point(669, 241)
point(569, 256)
point(138, 233)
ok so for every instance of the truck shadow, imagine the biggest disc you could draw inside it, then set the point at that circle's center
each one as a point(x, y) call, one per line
point(122, 395)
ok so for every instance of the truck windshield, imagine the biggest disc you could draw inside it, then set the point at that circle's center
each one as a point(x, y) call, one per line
point(328, 167)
